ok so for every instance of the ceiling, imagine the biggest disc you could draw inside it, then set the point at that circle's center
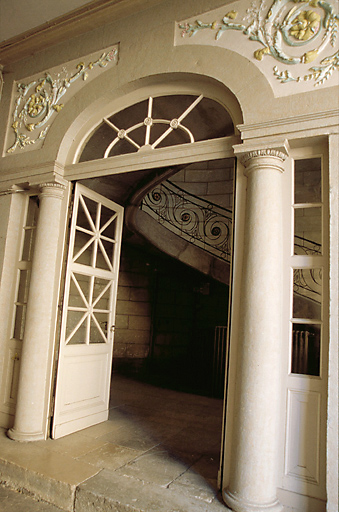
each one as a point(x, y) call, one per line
point(19, 16)
point(27, 26)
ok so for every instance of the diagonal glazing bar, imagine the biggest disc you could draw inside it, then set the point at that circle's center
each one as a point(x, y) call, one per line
point(108, 239)
point(131, 141)
point(99, 328)
point(110, 220)
point(101, 294)
point(84, 230)
point(81, 293)
point(83, 249)
point(190, 108)
point(76, 327)
point(112, 125)
point(105, 255)
point(162, 137)
point(88, 215)
point(183, 115)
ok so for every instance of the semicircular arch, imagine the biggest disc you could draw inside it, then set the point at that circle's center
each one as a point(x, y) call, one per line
point(167, 84)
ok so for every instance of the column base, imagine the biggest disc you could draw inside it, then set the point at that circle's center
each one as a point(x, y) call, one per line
point(240, 504)
point(15, 435)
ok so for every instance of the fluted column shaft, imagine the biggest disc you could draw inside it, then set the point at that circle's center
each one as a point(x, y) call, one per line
point(253, 478)
point(31, 410)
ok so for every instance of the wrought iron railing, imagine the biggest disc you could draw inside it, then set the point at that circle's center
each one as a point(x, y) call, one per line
point(303, 246)
point(209, 227)
point(307, 281)
point(200, 222)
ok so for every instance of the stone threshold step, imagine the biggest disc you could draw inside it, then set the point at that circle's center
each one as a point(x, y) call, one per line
point(42, 472)
point(109, 492)
point(12, 500)
point(60, 494)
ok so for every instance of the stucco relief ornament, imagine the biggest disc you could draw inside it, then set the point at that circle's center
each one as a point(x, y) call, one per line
point(38, 100)
point(290, 31)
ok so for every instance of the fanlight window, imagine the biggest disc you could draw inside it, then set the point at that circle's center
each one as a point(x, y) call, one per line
point(157, 123)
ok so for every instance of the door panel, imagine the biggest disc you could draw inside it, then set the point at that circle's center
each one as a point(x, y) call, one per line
point(87, 329)
point(303, 457)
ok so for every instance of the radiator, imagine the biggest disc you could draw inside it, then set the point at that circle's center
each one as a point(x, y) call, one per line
point(220, 357)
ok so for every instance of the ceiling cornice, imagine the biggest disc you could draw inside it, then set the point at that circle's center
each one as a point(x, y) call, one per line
point(74, 23)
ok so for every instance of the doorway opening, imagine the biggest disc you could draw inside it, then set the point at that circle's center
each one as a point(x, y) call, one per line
point(167, 384)
point(172, 297)
point(166, 323)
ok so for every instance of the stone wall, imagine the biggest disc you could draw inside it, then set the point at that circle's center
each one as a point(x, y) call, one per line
point(212, 181)
point(166, 316)
point(134, 306)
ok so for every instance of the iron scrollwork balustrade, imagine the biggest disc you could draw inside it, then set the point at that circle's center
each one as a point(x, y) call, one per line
point(307, 281)
point(200, 222)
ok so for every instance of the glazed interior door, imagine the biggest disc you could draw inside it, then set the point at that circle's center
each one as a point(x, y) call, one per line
point(87, 329)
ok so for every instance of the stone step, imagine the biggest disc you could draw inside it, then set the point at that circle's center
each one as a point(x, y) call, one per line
point(109, 492)
point(43, 473)
point(11, 500)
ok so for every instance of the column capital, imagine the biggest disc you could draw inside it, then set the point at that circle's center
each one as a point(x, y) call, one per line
point(251, 154)
point(52, 189)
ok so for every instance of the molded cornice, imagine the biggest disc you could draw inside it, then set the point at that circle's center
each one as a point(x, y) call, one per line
point(74, 23)
point(327, 120)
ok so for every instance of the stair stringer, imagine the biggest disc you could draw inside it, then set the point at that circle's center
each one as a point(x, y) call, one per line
point(173, 245)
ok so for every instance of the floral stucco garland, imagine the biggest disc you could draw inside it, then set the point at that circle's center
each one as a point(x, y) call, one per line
point(38, 100)
point(284, 25)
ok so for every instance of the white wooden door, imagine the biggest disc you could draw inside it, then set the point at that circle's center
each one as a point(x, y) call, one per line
point(87, 328)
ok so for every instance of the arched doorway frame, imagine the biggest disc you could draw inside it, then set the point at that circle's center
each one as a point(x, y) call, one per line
point(172, 84)
point(159, 85)
point(59, 177)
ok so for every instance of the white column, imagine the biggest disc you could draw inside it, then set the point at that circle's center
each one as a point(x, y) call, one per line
point(254, 452)
point(31, 414)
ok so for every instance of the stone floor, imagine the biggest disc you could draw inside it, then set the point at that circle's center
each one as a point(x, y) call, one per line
point(159, 452)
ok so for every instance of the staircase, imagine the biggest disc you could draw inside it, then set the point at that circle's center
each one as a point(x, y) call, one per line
point(202, 223)
point(189, 216)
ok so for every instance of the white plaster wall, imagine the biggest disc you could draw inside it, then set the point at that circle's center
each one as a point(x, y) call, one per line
point(151, 33)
